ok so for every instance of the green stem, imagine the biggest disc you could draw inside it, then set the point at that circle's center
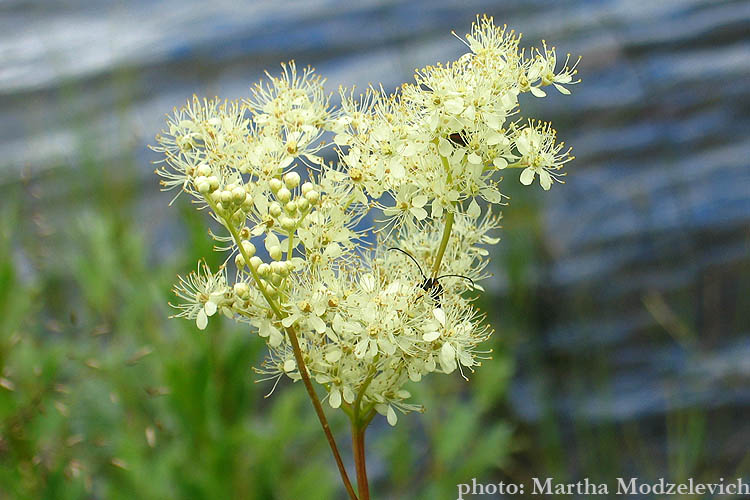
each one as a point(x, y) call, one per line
point(360, 395)
point(448, 221)
point(290, 249)
point(443, 244)
point(292, 335)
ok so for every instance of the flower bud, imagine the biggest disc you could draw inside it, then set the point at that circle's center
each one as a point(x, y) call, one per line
point(312, 196)
point(277, 267)
point(287, 223)
point(276, 279)
point(275, 185)
point(214, 181)
point(202, 185)
point(241, 289)
point(238, 194)
point(307, 186)
point(264, 269)
point(238, 217)
point(247, 204)
point(284, 195)
point(239, 261)
point(291, 180)
point(255, 262)
point(248, 248)
point(275, 252)
point(203, 170)
point(303, 204)
point(275, 209)
point(226, 197)
point(290, 207)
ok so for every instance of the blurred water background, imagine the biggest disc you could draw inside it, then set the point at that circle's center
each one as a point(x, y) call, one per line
point(621, 300)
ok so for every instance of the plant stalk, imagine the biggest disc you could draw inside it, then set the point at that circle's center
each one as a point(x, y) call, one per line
point(358, 447)
point(359, 426)
point(443, 243)
point(301, 366)
point(448, 221)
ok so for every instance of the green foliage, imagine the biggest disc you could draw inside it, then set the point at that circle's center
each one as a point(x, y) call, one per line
point(102, 396)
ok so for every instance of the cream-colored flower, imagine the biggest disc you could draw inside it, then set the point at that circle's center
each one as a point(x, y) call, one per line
point(203, 294)
point(540, 155)
point(368, 319)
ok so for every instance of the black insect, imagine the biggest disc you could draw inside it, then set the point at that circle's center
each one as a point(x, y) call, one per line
point(457, 138)
point(431, 285)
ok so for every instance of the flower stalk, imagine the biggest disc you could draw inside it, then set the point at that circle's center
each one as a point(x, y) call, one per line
point(292, 335)
point(443, 243)
point(358, 449)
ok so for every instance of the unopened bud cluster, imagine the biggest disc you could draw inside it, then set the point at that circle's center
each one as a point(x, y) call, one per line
point(425, 160)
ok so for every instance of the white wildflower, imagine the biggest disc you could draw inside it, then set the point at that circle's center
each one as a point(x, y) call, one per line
point(370, 310)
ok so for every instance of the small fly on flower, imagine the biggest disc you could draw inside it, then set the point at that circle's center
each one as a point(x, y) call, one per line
point(431, 285)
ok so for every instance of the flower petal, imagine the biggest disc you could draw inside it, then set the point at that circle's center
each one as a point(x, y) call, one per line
point(448, 358)
point(430, 336)
point(454, 106)
point(437, 209)
point(527, 176)
point(444, 147)
point(474, 210)
point(522, 144)
point(391, 416)
point(210, 308)
point(317, 324)
point(335, 398)
point(349, 395)
point(419, 201)
point(439, 315)
point(201, 320)
point(333, 356)
point(419, 213)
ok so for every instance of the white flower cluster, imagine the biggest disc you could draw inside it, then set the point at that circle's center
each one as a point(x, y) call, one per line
point(364, 311)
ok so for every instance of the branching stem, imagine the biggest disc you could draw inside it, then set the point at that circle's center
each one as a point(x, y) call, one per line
point(301, 366)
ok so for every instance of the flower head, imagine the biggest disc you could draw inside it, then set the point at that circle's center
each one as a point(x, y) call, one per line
point(365, 311)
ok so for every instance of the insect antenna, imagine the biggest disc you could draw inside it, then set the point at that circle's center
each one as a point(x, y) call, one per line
point(458, 276)
point(412, 258)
